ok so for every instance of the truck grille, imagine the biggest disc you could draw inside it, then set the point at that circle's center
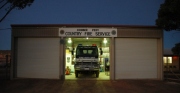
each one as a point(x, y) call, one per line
point(87, 64)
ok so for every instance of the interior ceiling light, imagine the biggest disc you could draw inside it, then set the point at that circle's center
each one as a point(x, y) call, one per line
point(105, 41)
point(69, 40)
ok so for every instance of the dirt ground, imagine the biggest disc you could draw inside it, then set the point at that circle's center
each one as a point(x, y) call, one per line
point(87, 86)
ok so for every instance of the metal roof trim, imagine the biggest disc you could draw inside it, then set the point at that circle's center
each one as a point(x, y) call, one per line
point(83, 25)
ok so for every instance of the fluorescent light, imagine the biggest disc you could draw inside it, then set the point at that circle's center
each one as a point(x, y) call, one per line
point(69, 40)
point(105, 41)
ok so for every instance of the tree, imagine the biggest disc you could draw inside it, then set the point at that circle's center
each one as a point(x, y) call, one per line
point(169, 15)
point(176, 51)
point(9, 5)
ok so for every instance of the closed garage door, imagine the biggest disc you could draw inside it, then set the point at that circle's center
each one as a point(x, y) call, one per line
point(136, 58)
point(38, 58)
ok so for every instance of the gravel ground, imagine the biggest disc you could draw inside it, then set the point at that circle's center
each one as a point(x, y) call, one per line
point(87, 86)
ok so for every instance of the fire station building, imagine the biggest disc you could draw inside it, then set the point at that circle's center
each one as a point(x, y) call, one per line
point(44, 50)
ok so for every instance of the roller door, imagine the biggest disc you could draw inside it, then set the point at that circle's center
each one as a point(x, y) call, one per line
point(136, 58)
point(38, 58)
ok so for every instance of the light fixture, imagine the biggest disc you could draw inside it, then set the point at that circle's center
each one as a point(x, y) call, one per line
point(69, 40)
point(105, 41)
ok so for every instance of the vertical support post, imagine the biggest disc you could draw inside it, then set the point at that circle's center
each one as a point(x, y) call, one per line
point(14, 52)
point(160, 59)
point(61, 57)
point(112, 59)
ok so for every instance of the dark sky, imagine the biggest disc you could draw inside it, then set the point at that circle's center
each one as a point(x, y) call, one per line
point(122, 12)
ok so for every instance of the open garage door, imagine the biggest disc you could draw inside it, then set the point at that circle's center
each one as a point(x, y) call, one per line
point(38, 58)
point(136, 58)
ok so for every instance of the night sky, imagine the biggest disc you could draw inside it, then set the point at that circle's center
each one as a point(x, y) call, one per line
point(121, 12)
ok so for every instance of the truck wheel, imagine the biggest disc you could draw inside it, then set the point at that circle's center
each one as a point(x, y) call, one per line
point(97, 74)
point(76, 73)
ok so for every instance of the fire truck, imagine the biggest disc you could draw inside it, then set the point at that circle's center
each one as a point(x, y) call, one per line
point(87, 59)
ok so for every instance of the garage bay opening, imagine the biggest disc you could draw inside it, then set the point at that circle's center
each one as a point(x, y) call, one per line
point(87, 58)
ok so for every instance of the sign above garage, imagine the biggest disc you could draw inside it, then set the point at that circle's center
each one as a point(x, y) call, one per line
point(88, 32)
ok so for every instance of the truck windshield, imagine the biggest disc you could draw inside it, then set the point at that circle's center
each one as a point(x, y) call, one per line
point(87, 51)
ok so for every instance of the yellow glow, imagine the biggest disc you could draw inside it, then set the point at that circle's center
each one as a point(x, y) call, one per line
point(167, 60)
point(69, 40)
point(105, 41)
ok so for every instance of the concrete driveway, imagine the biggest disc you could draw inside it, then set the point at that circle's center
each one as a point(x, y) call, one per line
point(87, 86)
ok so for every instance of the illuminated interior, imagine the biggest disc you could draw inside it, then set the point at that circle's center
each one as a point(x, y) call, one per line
point(167, 60)
point(103, 43)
